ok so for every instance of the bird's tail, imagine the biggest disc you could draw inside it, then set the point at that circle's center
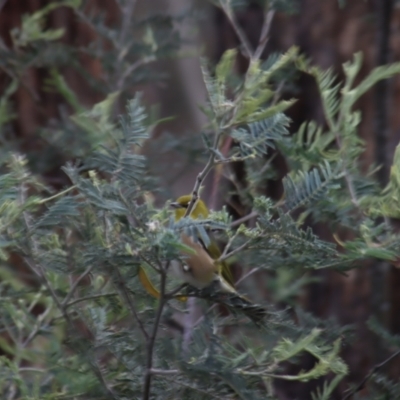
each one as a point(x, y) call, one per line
point(222, 292)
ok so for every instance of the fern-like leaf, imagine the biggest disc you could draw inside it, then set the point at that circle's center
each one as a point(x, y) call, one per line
point(306, 187)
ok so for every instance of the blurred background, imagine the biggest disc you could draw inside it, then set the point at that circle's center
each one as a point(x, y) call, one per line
point(329, 32)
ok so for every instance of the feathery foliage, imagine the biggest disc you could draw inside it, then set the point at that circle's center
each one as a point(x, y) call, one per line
point(76, 321)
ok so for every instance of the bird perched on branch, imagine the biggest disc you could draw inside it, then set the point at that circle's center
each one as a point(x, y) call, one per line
point(202, 268)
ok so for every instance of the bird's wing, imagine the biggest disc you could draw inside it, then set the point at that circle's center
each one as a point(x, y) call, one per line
point(223, 268)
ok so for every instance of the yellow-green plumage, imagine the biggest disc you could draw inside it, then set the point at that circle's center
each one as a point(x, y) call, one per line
point(201, 268)
point(200, 211)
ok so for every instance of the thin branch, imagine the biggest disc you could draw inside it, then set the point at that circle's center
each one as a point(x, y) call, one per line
point(155, 371)
point(129, 71)
point(38, 326)
point(126, 12)
point(235, 251)
point(38, 270)
point(75, 285)
point(370, 373)
point(236, 27)
point(245, 276)
point(95, 296)
point(229, 244)
point(246, 218)
point(269, 16)
point(188, 323)
point(32, 369)
point(128, 301)
point(98, 372)
point(152, 338)
point(173, 293)
point(59, 194)
point(202, 175)
point(150, 263)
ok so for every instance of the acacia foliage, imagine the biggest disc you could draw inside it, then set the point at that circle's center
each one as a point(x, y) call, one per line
point(98, 333)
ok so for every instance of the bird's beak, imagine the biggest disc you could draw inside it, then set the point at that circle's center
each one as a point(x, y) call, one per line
point(175, 204)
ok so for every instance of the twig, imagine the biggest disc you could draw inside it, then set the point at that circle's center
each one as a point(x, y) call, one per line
point(152, 338)
point(235, 251)
point(245, 276)
point(128, 301)
point(149, 263)
point(188, 323)
point(155, 371)
point(75, 285)
point(42, 201)
point(98, 372)
point(126, 12)
point(236, 27)
point(370, 373)
point(132, 68)
point(38, 270)
point(172, 293)
point(269, 16)
point(37, 328)
point(202, 175)
point(247, 217)
point(228, 245)
point(95, 296)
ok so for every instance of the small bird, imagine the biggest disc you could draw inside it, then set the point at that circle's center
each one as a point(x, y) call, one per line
point(202, 269)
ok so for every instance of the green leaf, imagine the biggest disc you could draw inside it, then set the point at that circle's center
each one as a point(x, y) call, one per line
point(225, 66)
point(33, 25)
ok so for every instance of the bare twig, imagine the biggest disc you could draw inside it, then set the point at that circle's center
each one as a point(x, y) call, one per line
point(155, 371)
point(370, 373)
point(95, 296)
point(99, 373)
point(132, 68)
point(59, 194)
point(245, 276)
point(253, 56)
point(264, 34)
point(38, 270)
point(127, 13)
point(188, 324)
point(202, 175)
point(173, 293)
point(121, 286)
point(151, 339)
point(228, 245)
point(75, 285)
point(235, 251)
point(246, 218)
point(37, 327)
point(236, 27)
